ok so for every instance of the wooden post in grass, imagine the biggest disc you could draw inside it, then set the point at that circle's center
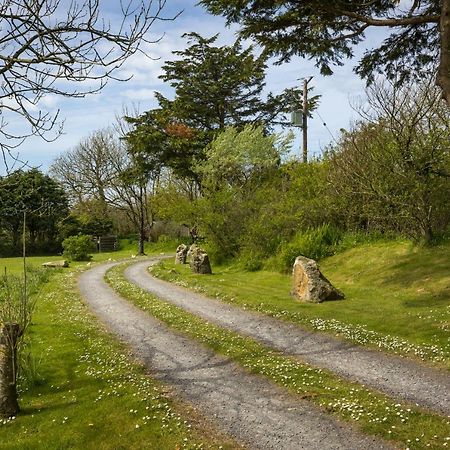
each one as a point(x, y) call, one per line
point(9, 336)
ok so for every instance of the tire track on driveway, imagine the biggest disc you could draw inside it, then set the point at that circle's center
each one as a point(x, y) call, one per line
point(398, 377)
point(253, 410)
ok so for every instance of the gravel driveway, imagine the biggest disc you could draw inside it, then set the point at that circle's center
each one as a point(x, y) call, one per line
point(401, 378)
point(253, 410)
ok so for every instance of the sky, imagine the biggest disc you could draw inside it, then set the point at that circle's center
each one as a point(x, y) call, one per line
point(84, 116)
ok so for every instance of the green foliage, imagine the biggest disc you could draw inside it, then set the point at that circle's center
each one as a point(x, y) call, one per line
point(240, 158)
point(215, 87)
point(327, 32)
point(389, 176)
point(239, 165)
point(77, 248)
point(392, 171)
point(74, 225)
point(42, 201)
point(316, 243)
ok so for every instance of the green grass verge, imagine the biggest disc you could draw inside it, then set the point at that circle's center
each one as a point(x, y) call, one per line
point(127, 250)
point(372, 412)
point(397, 297)
point(82, 390)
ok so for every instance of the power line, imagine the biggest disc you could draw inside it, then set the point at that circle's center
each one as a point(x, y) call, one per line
point(326, 126)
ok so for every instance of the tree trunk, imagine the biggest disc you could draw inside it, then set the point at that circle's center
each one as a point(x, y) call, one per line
point(9, 336)
point(141, 250)
point(443, 76)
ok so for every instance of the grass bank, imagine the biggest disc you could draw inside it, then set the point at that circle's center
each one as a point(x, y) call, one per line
point(397, 296)
point(82, 390)
point(372, 412)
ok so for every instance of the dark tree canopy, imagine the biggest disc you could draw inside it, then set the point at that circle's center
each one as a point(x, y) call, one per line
point(54, 47)
point(215, 87)
point(327, 31)
point(39, 197)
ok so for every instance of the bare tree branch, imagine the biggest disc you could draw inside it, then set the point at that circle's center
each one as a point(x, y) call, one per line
point(63, 48)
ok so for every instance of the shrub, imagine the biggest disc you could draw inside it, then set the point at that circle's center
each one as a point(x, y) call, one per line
point(316, 243)
point(251, 261)
point(77, 248)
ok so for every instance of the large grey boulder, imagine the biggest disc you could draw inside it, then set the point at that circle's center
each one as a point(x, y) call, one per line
point(309, 285)
point(181, 255)
point(199, 260)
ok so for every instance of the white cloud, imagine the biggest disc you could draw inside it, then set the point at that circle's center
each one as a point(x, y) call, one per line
point(138, 94)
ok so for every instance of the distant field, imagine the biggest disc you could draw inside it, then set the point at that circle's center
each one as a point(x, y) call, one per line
point(397, 296)
point(15, 265)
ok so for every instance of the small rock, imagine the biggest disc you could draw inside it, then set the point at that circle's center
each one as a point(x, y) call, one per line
point(61, 263)
point(192, 249)
point(181, 255)
point(310, 285)
point(199, 261)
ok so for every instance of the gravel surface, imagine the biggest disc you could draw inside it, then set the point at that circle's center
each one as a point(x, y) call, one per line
point(399, 377)
point(256, 412)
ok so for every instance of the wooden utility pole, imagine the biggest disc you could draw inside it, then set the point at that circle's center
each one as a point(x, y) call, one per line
point(305, 118)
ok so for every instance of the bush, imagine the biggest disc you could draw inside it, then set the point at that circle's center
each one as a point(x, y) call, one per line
point(316, 243)
point(77, 248)
point(251, 261)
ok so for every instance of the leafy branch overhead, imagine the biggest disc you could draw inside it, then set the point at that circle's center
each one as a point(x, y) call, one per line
point(418, 33)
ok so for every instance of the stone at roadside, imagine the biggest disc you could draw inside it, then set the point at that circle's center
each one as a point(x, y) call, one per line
point(192, 249)
point(200, 261)
point(181, 255)
point(309, 284)
point(61, 263)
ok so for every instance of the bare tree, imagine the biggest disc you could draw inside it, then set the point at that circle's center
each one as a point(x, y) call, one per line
point(393, 167)
point(65, 48)
point(89, 170)
point(104, 169)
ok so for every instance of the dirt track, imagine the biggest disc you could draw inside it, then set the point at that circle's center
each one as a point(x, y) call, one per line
point(398, 377)
point(250, 408)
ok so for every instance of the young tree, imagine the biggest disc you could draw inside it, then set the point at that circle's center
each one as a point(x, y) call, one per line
point(237, 165)
point(131, 193)
point(53, 47)
point(418, 33)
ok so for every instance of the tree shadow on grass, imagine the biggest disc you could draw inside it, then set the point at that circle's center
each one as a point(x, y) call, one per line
point(442, 298)
point(413, 268)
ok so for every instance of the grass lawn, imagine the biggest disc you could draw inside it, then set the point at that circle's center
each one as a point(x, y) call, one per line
point(397, 296)
point(372, 412)
point(82, 390)
point(126, 250)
